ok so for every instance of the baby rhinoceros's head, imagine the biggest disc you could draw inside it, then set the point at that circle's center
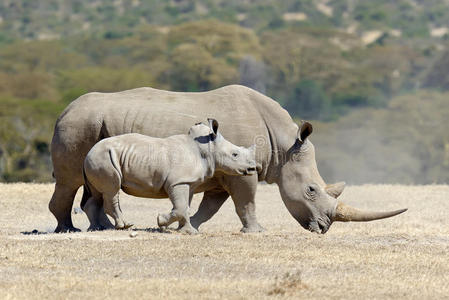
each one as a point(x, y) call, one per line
point(227, 157)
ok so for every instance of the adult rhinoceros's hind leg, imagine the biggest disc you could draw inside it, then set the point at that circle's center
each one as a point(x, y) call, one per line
point(92, 205)
point(210, 204)
point(93, 208)
point(61, 206)
point(105, 222)
point(243, 193)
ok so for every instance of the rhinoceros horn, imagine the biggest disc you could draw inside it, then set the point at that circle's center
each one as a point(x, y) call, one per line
point(346, 213)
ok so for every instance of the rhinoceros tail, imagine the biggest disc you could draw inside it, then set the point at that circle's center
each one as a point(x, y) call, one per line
point(87, 193)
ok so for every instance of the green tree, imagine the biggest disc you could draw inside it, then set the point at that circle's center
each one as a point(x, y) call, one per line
point(309, 101)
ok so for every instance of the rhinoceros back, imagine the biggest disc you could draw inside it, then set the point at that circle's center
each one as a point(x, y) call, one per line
point(157, 113)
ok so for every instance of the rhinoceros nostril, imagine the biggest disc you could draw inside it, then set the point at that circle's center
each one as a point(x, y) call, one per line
point(323, 228)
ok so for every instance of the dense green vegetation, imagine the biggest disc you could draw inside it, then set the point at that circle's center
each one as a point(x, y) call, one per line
point(320, 59)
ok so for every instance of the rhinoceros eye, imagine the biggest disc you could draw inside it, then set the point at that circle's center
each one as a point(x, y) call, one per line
point(311, 190)
point(235, 155)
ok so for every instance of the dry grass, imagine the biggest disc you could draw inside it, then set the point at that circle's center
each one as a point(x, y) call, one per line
point(406, 256)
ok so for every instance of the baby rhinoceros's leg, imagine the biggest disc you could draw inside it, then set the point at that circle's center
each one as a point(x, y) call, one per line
point(179, 196)
point(112, 207)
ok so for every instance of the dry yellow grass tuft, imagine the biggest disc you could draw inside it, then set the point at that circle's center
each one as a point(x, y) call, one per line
point(405, 256)
point(291, 282)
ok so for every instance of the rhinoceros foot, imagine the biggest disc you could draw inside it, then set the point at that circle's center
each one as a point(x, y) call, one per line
point(96, 227)
point(64, 229)
point(162, 221)
point(124, 225)
point(252, 228)
point(188, 229)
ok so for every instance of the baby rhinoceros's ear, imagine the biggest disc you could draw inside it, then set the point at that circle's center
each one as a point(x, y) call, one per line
point(213, 124)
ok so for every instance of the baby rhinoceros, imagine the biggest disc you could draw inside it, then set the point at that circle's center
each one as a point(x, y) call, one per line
point(151, 167)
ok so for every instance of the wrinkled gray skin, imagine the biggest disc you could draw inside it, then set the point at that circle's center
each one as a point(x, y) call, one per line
point(284, 154)
point(150, 167)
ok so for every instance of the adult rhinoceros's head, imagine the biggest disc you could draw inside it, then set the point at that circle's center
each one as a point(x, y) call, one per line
point(308, 199)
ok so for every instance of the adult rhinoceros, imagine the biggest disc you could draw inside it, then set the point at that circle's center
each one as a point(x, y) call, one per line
point(285, 155)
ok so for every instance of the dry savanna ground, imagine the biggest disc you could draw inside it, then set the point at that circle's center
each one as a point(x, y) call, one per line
point(403, 257)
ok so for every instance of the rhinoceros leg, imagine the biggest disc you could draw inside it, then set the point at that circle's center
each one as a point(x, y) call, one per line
point(98, 219)
point(243, 193)
point(61, 206)
point(210, 204)
point(93, 208)
point(112, 206)
point(180, 196)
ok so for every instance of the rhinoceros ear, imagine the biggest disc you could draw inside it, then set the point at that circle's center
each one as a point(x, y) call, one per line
point(335, 189)
point(305, 129)
point(213, 124)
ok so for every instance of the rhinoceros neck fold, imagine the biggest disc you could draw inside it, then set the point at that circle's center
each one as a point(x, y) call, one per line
point(281, 134)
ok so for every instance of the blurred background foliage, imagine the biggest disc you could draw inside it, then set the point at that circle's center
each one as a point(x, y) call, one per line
point(373, 76)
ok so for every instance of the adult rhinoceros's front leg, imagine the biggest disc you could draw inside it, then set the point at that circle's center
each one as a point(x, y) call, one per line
point(243, 193)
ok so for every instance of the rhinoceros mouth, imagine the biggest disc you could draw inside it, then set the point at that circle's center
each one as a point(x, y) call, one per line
point(251, 171)
point(318, 226)
point(248, 171)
